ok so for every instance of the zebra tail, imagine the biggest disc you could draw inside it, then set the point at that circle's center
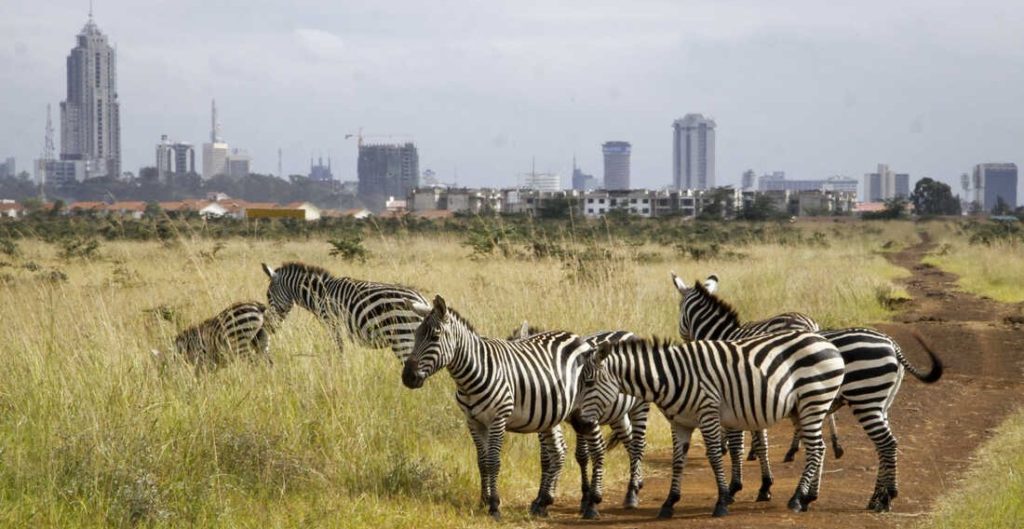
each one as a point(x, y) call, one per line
point(931, 376)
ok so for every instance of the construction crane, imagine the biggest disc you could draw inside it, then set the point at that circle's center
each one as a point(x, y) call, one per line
point(358, 135)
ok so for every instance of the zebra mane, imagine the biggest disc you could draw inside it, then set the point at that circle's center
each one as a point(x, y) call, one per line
point(432, 318)
point(724, 308)
point(300, 267)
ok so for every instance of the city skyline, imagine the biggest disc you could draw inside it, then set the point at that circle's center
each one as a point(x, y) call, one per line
point(483, 119)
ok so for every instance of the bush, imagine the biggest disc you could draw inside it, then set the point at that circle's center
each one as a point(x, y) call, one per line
point(349, 248)
point(79, 248)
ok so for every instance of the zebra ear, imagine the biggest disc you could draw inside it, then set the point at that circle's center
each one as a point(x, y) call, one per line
point(524, 330)
point(441, 308)
point(711, 284)
point(421, 309)
point(603, 350)
point(269, 271)
point(679, 283)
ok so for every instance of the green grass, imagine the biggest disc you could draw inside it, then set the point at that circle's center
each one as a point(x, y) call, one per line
point(996, 271)
point(95, 435)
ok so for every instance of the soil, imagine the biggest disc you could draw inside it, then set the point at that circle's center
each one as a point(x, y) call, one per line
point(939, 426)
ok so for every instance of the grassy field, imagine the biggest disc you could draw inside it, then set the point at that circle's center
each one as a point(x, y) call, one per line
point(94, 434)
point(994, 270)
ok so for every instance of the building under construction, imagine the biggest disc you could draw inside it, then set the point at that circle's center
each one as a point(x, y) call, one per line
point(386, 170)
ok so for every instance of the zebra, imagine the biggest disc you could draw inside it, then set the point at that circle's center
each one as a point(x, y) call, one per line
point(745, 384)
point(241, 328)
point(874, 371)
point(526, 385)
point(374, 313)
point(627, 417)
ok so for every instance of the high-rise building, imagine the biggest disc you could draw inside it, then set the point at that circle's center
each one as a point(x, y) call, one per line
point(319, 172)
point(996, 181)
point(693, 152)
point(747, 182)
point(386, 170)
point(616, 164)
point(237, 164)
point(215, 153)
point(90, 121)
point(886, 184)
point(174, 158)
point(8, 168)
point(542, 181)
point(582, 181)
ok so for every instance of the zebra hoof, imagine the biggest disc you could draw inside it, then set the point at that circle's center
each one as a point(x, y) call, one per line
point(538, 509)
point(590, 512)
point(798, 503)
point(720, 509)
point(880, 503)
point(752, 456)
point(764, 495)
point(789, 456)
point(583, 504)
point(631, 501)
point(496, 514)
point(734, 487)
point(665, 513)
point(838, 450)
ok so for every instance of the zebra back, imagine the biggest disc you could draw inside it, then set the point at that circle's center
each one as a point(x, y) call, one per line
point(232, 331)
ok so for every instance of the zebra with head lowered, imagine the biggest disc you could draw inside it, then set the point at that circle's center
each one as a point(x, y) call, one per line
point(527, 385)
point(241, 329)
point(714, 385)
point(627, 417)
point(375, 314)
point(874, 371)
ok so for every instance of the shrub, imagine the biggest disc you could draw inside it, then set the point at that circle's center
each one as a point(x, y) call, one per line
point(349, 248)
point(79, 248)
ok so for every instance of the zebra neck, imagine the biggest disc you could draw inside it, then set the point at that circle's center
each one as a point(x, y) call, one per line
point(467, 363)
point(640, 372)
point(714, 321)
point(326, 297)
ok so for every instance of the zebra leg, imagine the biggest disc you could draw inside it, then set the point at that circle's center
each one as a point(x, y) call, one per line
point(637, 444)
point(711, 429)
point(680, 446)
point(582, 457)
point(262, 346)
point(552, 458)
point(596, 450)
point(876, 425)
point(495, 439)
point(760, 447)
point(837, 449)
point(814, 448)
point(479, 434)
point(734, 441)
point(794, 445)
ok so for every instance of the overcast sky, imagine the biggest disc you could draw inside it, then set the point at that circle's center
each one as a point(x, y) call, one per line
point(930, 87)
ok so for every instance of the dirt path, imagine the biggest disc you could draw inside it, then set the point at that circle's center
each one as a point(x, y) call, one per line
point(982, 345)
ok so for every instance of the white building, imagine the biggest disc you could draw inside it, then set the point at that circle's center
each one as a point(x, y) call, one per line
point(174, 158)
point(639, 202)
point(693, 152)
point(542, 181)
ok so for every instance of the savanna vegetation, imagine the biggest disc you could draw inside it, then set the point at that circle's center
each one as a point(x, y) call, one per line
point(94, 433)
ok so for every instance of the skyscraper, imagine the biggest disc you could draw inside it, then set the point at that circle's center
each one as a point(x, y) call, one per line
point(886, 184)
point(693, 152)
point(90, 121)
point(582, 181)
point(748, 179)
point(215, 153)
point(174, 158)
point(616, 164)
point(386, 170)
point(996, 181)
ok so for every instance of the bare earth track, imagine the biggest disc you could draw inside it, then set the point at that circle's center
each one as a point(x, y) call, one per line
point(939, 426)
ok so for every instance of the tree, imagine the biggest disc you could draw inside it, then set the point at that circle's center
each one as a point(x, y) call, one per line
point(931, 197)
point(153, 210)
point(718, 205)
point(760, 208)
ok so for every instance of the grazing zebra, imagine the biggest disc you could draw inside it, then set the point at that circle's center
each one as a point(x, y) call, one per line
point(739, 385)
point(627, 417)
point(874, 371)
point(526, 385)
point(375, 313)
point(239, 329)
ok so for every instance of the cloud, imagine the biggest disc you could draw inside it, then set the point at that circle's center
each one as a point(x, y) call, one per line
point(322, 44)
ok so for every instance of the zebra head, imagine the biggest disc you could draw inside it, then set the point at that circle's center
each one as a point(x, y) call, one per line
point(600, 389)
point(694, 303)
point(433, 348)
point(189, 344)
point(279, 295)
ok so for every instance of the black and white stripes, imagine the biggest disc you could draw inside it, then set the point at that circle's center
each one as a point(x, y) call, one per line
point(237, 330)
point(375, 314)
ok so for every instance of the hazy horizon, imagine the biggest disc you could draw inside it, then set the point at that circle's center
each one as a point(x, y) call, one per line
point(931, 88)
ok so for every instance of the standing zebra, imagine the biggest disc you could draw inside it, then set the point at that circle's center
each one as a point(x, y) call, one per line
point(526, 385)
point(238, 329)
point(627, 417)
point(739, 385)
point(874, 371)
point(375, 313)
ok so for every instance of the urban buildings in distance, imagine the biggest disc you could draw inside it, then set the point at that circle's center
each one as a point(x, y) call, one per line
point(616, 164)
point(90, 121)
point(777, 181)
point(582, 181)
point(386, 171)
point(173, 159)
point(319, 172)
point(885, 184)
point(218, 157)
point(994, 182)
point(8, 168)
point(693, 152)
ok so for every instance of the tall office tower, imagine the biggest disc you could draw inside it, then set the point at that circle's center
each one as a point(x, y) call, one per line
point(995, 181)
point(386, 170)
point(174, 158)
point(748, 179)
point(616, 164)
point(693, 152)
point(90, 121)
point(886, 184)
point(215, 153)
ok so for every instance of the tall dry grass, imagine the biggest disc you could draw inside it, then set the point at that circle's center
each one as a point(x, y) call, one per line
point(93, 434)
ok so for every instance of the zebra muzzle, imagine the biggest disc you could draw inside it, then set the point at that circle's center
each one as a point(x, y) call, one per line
point(412, 377)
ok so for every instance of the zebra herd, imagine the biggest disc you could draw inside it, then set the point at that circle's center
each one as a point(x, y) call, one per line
point(728, 377)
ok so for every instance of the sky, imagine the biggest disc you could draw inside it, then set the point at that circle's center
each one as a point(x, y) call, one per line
point(811, 88)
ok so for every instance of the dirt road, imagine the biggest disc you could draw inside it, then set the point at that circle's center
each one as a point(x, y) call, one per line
point(939, 426)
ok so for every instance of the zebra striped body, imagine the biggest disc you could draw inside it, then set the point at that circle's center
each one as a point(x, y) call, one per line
point(239, 329)
point(874, 371)
point(375, 314)
point(526, 386)
point(627, 417)
point(738, 385)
